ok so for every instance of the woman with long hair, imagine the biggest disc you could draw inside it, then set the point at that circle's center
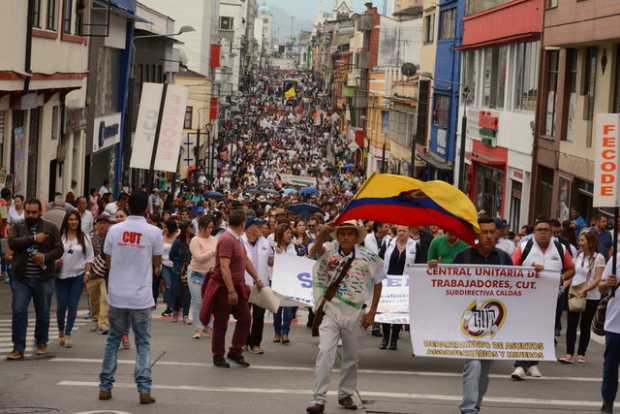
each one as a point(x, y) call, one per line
point(284, 316)
point(181, 257)
point(202, 248)
point(74, 268)
point(589, 267)
point(301, 238)
point(170, 233)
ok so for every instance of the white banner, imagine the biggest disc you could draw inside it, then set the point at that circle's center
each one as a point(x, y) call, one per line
point(394, 304)
point(171, 130)
point(483, 312)
point(292, 279)
point(607, 158)
point(146, 127)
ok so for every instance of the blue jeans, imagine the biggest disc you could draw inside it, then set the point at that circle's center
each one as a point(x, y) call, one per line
point(68, 293)
point(610, 367)
point(41, 294)
point(195, 286)
point(140, 322)
point(282, 319)
point(475, 384)
point(166, 274)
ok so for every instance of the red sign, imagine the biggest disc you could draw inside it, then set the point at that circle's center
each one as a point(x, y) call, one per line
point(488, 120)
point(213, 109)
point(360, 138)
point(214, 58)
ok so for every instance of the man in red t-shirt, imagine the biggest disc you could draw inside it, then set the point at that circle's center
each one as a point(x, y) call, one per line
point(226, 293)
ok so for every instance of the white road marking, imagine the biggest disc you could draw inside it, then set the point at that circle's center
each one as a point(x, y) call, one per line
point(309, 369)
point(374, 394)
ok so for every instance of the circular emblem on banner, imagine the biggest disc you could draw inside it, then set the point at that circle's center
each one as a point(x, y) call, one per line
point(482, 319)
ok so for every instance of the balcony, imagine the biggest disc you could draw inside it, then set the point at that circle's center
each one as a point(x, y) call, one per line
point(476, 6)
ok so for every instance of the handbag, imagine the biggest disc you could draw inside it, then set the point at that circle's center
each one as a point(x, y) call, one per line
point(598, 323)
point(577, 304)
point(329, 294)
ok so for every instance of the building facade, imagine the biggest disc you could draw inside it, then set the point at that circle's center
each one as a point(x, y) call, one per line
point(42, 75)
point(499, 87)
point(580, 78)
point(442, 143)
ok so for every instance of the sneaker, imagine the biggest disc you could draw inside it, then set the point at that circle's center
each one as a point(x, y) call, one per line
point(125, 342)
point(347, 403)
point(220, 362)
point(607, 408)
point(15, 356)
point(197, 334)
point(239, 360)
point(518, 374)
point(166, 313)
point(257, 350)
point(316, 409)
point(534, 371)
point(186, 320)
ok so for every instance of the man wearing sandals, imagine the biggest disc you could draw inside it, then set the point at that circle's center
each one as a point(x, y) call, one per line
point(344, 317)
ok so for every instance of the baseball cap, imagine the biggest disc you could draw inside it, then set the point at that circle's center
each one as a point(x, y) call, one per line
point(254, 221)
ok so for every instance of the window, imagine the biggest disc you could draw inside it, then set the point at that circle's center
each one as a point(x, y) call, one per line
point(550, 4)
point(448, 24)
point(571, 91)
point(66, 16)
point(494, 82)
point(189, 112)
point(429, 28)
point(526, 88)
point(226, 23)
point(51, 15)
point(617, 82)
point(386, 120)
point(470, 74)
point(441, 114)
point(55, 122)
point(424, 89)
point(588, 88)
point(36, 14)
point(80, 9)
point(551, 89)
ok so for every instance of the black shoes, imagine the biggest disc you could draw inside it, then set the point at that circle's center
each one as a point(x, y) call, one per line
point(393, 345)
point(347, 403)
point(608, 407)
point(220, 362)
point(239, 360)
point(316, 409)
point(384, 344)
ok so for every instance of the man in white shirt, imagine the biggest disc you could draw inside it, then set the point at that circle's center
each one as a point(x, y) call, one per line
point(104, 188)
point(133, 251)
point(86, 216)
point(611, 360)
point(112, 208)
point(259, 250)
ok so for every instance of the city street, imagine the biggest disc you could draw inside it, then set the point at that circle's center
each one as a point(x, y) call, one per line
point(278, 382)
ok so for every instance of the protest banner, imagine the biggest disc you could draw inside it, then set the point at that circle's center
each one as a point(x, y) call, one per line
point(292, 279)
point(394, 304)
point(483, 312)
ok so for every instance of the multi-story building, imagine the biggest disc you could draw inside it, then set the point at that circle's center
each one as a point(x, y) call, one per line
point(42, 73)
point(580, 77)
point(442, 146)
point(499, 86)
point(232, 27)
point(263, 33)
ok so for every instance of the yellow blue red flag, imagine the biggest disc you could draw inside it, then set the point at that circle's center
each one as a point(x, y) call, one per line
point(290, 93)
point(397, 199)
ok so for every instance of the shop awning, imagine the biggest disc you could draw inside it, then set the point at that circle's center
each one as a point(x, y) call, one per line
point(485, 159)
point(435, 161)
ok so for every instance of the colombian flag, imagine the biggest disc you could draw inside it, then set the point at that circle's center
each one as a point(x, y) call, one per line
point(397, 199)
point(290, 93)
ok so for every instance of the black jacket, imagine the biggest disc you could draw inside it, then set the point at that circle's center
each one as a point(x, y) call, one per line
point(20, 239)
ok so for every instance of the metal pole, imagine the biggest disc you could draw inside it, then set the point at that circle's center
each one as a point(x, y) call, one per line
point(462, 152)
point(615, 245)
point(198, 148)
point(156, 140)
point(383, 163)
point(412, 172)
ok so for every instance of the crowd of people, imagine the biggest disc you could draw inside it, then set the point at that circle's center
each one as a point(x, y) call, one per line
point(202, 249)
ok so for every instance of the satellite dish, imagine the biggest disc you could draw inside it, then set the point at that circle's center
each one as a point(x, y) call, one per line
point(409, 69)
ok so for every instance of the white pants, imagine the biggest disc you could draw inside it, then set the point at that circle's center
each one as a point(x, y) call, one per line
point(332, 329)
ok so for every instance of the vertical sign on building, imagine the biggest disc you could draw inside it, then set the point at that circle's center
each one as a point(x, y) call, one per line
point(607, 157)
point(146, 127)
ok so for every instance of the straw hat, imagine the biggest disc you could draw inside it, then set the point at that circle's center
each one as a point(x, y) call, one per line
point(352, 224)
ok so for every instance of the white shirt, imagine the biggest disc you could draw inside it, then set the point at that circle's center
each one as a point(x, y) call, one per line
point(259, 255)
point(506, 245)
point(87, 222)
point(612, 317)
point(14, 216)
point(74, 259)
point(583, 274)
point(103, 190)
point(111, 208)
point(550, 259)
point(132, 245)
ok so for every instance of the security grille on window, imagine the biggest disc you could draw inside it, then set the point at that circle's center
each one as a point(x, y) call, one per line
point(226, 23)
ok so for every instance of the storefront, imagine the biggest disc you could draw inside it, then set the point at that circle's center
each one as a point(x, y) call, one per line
point(488, 178)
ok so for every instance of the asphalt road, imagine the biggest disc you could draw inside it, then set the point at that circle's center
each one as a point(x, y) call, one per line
point(279, 382)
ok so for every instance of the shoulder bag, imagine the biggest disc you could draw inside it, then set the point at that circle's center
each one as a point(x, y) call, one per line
point(329, 294)
point(598, 323)
point(577, 304)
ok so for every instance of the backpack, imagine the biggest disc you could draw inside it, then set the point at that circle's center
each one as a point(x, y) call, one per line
point(530, 244)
